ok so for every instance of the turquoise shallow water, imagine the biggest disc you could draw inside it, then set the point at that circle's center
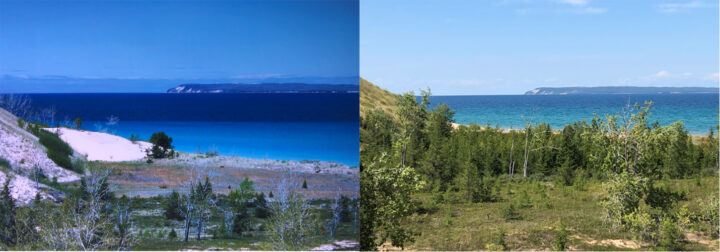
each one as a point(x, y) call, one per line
point(699, 112)
point(327, 141)
point(274, 126)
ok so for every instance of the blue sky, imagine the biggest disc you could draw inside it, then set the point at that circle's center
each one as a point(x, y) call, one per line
point(511, 46)
point(59, 46)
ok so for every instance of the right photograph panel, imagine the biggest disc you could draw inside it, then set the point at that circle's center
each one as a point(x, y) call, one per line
point(539, 125)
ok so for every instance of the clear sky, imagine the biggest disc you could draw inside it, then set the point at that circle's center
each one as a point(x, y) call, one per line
point(511, 46)
point(151, 42)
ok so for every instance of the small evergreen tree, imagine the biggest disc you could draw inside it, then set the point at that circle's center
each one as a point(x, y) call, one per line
point(304, 186)
point(162, 145)
point(173, 207)
point(262, 210)
point(561, 237)
point(78, 122)
point(8, 212)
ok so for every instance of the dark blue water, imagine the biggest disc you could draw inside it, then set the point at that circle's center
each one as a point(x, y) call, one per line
point(699, 112)
point(274, 126)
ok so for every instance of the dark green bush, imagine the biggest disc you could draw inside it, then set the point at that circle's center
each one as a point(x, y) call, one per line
point(671, 236)
point(162, 144)
point(57, 150)
point(663, 198)
point(173, 207)
point(561, 235)
point(509, 212)
point(4, 163)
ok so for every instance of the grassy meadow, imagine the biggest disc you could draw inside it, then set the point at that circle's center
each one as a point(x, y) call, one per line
point(474, 226)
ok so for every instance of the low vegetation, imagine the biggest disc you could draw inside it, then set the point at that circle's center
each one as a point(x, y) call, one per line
point(57, 150)
point(625, 164)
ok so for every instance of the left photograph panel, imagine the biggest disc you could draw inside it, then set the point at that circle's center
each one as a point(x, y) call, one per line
point(169, 125)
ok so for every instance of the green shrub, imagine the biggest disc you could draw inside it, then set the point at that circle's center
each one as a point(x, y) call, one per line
point(437, 195)
point(448, 217)
point(581, 181)
point(498, 242)
point(560, 236)
point(710, 215)
point(543, 201)
point(21, 123)
point(4, 163)
point(450, 197)
point(134, 137)
point(57, 150)
point(172, 234)
point(509, 212)
point(641, 224)
point(663, 198)
point(173, 207)
point(624, 193)
point(671, 236)
point(522, 200)
point(78, 123)
point(428, 206)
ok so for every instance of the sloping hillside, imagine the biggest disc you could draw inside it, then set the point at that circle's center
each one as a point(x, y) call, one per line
point(24, 153)
point(374, 97)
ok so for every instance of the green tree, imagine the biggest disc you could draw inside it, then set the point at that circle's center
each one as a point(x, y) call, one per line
point(377, 129)
point(240, 202)
point(173, 207)
point(385, 203)
point(203, 195)
point(437, 163)
point(625, 191)
point(162, 145)
point(291, 226)
point(8, 214)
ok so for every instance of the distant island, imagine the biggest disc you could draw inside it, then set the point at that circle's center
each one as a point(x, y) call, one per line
point(265, 88)
point(620, 90)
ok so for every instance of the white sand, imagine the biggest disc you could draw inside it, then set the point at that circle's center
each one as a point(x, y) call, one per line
point(102, 146)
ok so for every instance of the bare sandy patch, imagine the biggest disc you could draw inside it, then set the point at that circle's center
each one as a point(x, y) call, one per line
point(98, 146)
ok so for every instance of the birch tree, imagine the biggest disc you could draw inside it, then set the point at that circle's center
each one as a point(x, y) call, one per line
point(291, 226)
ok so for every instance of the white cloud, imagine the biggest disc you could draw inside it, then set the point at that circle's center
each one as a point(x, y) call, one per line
point(256, 76)
point(661, 74)
point(589, 10)
point(574, 2)
point(682, 6)
point(715, 77)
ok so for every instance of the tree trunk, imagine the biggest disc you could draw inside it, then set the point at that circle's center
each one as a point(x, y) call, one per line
point(512, 146)
point(402, 161)
point(187, 225)
point(527, 151)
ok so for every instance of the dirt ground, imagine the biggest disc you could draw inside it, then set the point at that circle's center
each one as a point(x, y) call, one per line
point(147, 180)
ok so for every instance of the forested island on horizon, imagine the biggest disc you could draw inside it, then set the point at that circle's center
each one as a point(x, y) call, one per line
point(620, 90)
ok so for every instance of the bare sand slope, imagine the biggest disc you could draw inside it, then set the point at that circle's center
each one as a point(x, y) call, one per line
point(23, 190)
point(23, 151)
point(97, 146)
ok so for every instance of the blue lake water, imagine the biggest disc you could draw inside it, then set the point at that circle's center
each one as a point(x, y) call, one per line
point(273, 126)
point(699, 112)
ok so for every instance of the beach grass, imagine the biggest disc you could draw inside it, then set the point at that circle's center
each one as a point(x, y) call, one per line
point(475, 225)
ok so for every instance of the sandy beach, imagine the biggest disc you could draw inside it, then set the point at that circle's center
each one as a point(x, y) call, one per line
point(98, 146)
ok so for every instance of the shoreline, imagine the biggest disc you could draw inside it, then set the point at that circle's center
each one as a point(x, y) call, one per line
point(324, 141)
point(456, 126)
point(106, 147)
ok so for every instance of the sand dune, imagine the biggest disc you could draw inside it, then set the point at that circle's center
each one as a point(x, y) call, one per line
point(102, 146)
